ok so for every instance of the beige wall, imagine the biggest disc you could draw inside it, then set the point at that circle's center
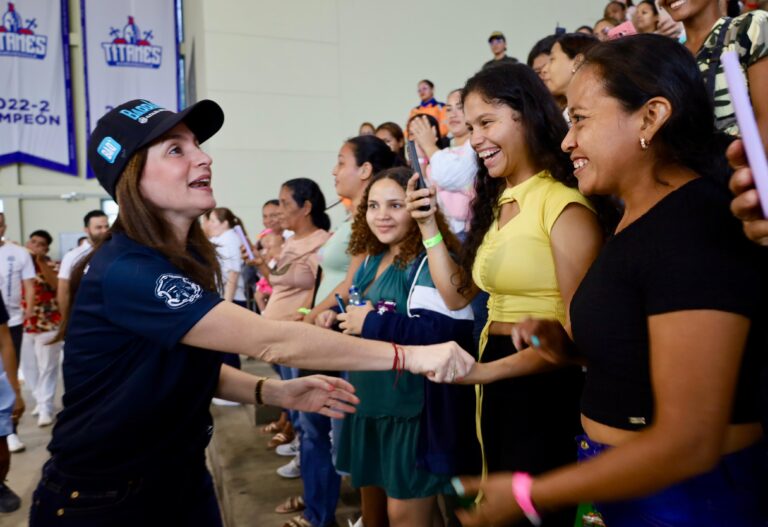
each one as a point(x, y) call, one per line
point(297, 77)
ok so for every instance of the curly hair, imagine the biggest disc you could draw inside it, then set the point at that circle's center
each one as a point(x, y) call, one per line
point(363, 241)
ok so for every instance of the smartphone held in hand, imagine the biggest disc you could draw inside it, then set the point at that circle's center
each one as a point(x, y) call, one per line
point(413, 158)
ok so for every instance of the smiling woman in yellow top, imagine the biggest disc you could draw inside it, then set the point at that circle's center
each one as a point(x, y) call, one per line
point(532, 238)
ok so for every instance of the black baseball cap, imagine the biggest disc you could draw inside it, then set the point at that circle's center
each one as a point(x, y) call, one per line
point(495, 35)
point(135, 124)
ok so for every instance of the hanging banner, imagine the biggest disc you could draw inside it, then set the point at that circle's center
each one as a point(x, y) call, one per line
point(36, 123)
point(131, 52)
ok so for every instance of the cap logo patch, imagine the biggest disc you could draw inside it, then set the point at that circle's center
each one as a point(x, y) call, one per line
point(109, 149)
point(139, 112)
point(147, 117)
point(177, 291)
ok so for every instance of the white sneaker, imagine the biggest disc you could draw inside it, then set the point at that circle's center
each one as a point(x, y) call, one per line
point(15, 445)
point(44, 419)
point(36, 410)
point(292, 470)
point(223, 402)
point(289, 449)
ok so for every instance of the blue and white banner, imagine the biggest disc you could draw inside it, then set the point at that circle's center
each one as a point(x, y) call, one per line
point(36, 122)
point(131, 52)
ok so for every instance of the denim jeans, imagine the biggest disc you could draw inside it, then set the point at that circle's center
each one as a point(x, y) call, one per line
point(321, 482)
point(727, 495)
point(336, 425)
point(178, 498)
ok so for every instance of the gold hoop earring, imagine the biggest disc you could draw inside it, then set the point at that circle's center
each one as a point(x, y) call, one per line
point(643, 143)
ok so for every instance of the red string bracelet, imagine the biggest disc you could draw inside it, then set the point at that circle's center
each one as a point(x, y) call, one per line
point(398, 364)
point(394, 363)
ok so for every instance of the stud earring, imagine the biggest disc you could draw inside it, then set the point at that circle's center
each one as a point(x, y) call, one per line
point(643, 143)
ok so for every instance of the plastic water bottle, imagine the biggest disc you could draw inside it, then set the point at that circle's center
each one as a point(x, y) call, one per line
point(354, 296)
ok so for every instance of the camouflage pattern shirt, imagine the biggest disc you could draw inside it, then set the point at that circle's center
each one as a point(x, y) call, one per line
point(748, 36)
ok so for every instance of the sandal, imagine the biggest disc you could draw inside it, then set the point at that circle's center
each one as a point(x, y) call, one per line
point(292, 504)
point(278, 439)
point(273, 427)
point(298, 521)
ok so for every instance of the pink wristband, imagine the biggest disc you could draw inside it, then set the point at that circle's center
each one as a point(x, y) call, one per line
point(521, 490)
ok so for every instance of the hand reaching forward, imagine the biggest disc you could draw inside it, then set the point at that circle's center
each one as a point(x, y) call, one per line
point(440, 362)
point(329, 396)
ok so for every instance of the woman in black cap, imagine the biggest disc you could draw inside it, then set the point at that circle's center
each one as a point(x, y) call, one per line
point(146, 322)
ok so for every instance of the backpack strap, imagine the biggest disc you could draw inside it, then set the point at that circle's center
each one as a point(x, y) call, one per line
point(714, 57)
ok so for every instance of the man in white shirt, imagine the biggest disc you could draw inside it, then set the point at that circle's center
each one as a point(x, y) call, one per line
point(96, 226)
point(16, 269)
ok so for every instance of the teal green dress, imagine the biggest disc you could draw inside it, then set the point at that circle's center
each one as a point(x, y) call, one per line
point(378, 442)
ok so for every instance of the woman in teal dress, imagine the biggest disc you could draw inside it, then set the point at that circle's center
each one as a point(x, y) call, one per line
point(383, 444)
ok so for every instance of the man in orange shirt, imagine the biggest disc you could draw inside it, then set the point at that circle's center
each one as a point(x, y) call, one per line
point(429, 105)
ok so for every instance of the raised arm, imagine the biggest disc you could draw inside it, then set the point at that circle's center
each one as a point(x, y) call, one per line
point(444, 270)
point(230, 328)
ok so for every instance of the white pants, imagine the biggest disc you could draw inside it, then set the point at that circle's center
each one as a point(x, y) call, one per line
point(40, 365)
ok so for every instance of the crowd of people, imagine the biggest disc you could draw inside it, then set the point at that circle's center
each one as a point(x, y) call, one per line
point(569, 312)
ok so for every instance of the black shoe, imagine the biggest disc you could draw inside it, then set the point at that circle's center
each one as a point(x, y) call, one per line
point(9, 501)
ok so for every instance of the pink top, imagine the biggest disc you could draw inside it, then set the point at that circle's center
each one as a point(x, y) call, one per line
point(293, 279)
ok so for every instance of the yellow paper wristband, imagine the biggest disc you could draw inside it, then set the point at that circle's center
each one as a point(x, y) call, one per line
point(433, 241)
point(304, 310)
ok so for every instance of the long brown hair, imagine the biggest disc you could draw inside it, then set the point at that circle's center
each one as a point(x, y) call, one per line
point(142, 222)
point(363, 241)
point(224, 214)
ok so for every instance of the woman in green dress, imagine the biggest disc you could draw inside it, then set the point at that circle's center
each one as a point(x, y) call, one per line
point(383, 445)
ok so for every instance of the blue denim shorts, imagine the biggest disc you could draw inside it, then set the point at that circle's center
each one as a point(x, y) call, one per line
point(7, 401)
point(730, 494)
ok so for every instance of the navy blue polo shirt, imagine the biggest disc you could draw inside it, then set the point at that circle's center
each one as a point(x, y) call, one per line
point(136, 400)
